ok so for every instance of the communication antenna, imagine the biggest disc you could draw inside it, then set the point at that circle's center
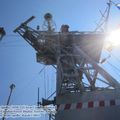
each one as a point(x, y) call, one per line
point(38, 99)
point(49, 24)
point(12, 86)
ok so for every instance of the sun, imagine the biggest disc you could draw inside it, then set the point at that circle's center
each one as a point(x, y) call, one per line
point(114, 38)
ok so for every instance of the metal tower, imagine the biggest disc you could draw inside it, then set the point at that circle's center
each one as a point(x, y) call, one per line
point(76, 56)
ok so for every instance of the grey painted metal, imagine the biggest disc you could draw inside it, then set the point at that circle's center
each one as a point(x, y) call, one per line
point(25, 23)
point(96, 113)
point(112, 113)
point(113, 82)
point(76, 54)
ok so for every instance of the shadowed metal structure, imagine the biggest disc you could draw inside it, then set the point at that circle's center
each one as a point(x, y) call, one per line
point(76, 56)
point(12, 86)
point(2, 33)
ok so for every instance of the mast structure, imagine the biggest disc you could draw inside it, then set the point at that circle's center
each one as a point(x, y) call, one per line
point(104, 20)
point(12, 86)
point(76, 56)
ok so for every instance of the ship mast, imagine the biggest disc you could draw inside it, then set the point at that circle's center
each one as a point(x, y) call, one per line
point(76, 57)
point(108, 14)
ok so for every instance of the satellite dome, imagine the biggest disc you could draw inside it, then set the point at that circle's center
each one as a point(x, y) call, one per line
point(48, 16)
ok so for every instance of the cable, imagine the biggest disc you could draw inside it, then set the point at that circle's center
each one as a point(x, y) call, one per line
point(26, 85)
point(12, 46)
point(11, 35)
point(10, 42)
point(113, 66)
point(42, 70)
point(114, 56)
point(45, 83)
point(51, 95)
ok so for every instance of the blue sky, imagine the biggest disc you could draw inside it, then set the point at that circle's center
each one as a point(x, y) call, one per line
point(17, 59)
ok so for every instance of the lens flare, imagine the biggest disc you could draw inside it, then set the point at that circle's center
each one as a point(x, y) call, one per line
point(114, 38)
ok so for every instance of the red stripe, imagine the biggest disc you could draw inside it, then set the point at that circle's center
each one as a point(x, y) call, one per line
point(79, 105)
point(112, 102)
point(90, 104)
point(102, 103)
point(67, 106)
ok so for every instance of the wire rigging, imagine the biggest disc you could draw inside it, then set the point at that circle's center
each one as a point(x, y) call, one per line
point(12, 35)
point(45, 83)
point(115, 57)
point(113, 66)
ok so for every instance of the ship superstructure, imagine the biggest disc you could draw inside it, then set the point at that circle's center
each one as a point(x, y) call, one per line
point(76, 58)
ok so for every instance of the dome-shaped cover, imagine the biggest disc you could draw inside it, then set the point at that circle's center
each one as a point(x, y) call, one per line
point(48, 16)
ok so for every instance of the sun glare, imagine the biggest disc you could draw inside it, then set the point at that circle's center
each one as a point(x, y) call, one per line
point(114, 38)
